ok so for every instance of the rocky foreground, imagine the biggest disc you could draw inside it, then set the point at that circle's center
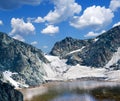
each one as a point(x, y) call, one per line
point(8, 93)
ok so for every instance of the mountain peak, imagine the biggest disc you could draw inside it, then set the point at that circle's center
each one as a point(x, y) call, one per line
point(96, 52)
point(23, 59)
point(67, 45)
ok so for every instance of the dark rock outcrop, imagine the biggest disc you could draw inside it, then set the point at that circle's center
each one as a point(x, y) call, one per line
point(22, 58)
point(8, 93)
point(67, 45)
point(100, 52)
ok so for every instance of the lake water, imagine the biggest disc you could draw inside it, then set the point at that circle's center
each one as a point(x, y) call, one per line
point(74, 91)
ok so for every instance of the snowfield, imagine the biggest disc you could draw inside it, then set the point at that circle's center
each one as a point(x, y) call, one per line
point(83, 71)
point(113, 75)
point(58, 70)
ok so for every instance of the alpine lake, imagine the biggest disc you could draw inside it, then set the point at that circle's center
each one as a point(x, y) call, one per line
point(77, 90)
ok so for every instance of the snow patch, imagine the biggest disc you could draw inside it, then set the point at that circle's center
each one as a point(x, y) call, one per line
point(75, 51)
point(114, 59)
point(96, 39)
point(7, 77)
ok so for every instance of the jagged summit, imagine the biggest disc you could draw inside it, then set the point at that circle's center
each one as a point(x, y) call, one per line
point(95, 52)
point(67, 45)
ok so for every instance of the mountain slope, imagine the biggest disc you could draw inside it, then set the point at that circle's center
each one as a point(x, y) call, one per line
point(21, 63)
point(102, 50)
point(95, 52)
point(23, 59)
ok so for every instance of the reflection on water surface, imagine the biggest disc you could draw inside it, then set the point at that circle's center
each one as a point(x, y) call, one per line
point(74, 91)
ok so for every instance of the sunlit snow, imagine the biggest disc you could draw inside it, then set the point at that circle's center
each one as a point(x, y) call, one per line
point(59, 70)
point(75, 51)
point(114, 59)
point(7, 77)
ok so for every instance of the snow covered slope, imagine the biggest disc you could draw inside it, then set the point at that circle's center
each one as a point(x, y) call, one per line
point(7, 78)
point(114, 59)
point(55, 68)
point(82, 71)
point(59, 70)
point(113, 75)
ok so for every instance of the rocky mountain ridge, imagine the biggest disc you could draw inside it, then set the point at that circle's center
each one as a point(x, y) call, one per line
point(67, 45)
point(95, 52)
point(22, 64)
point(23, 59)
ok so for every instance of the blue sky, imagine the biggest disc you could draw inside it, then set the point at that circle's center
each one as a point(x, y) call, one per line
point(44, 22)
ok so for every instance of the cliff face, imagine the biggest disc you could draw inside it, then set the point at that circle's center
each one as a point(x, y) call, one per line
point(67, 45)
point(8, 93)
point(95, 52)
point(23, 59)
point(101, 52)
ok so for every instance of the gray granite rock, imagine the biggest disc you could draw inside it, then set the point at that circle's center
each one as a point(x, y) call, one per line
point(22, 58)
point(8, 93)
point(100, 52)
point(67, 45)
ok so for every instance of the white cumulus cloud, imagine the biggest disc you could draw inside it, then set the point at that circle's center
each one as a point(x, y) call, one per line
point(39, 20)
point(94, 16)
point(94, 34)
point(21, 27)
point(34, 43)
point(63, 10)
point(19, 37)
point(1, 22)
point(50, 29)
point(114, 5)
point(35, 20)
point(117, 24)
